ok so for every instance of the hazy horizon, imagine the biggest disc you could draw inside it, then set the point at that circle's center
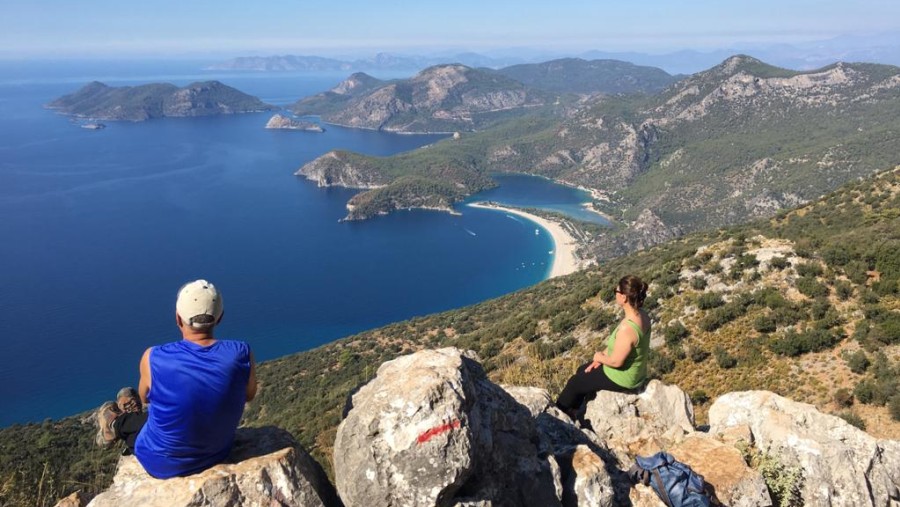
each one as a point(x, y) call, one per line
point(205, 30)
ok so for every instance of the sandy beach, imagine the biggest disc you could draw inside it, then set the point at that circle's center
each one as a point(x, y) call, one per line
point(564, 259)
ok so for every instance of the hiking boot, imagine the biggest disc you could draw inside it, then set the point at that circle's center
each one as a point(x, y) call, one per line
point(104, 417)
point(128, 401)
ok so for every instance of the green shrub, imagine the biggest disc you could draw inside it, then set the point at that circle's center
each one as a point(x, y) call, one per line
point(721, 316)
point(793, 343)
point(565, 321)
point(856, 271)
point(724, 359)
point(865, 391)
point(675, 333)
point(765, 324)
point(894, 407)
point(659, 363)
point(697, 354)
point(600, 319)
point(836, 255)
point(843, 398)
point(772, 299)
point(698, 283)
point(804, 248)
point(810, 287)
point(699, 396)
point(808, 269)
point(885, 287)
point(819, 308)
point(858, 362)
point(843, 289)
point(784, 483)
point(713, 268)
point(710, 300)
point(778, 263)
point(887, 259)
point(853, 420)
point(677, 351)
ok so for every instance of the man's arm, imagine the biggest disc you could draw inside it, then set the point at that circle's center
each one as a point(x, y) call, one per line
point(144, 383)
point(251, 382)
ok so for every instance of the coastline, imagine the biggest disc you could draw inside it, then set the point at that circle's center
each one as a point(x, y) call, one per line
point(565, 261)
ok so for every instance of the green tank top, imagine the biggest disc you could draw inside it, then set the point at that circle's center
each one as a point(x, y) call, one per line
point(633, 371)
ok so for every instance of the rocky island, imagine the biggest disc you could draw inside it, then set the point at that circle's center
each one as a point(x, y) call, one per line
point(280, 122)
point(157, 100)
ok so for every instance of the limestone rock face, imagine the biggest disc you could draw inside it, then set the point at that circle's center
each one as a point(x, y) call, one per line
point(266, 467)
point(430, 429)
point(76, 499)
point(721, 465)
point(281, 122)
point(842, 465)
point(641, 424)
point(340, 169)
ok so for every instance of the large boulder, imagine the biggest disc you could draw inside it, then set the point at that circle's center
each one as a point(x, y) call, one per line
point(266, 467)
point(723, 466)
point(641, 424)
point(587, 471)
point(841, 465)
point(430, 429)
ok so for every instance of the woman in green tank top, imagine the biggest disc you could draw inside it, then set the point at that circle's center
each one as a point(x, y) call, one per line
point(623, 366)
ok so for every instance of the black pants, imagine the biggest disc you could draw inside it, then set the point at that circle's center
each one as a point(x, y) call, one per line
point(581, 385)
point(127, 427)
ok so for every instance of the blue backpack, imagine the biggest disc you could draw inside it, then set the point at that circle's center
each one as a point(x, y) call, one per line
point(675, 483)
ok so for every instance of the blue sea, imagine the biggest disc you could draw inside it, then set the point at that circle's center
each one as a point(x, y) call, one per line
point(98, 229)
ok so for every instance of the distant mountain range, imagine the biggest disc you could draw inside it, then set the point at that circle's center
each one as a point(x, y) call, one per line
point(379, 62)
point(874, 48)
point(137, 103)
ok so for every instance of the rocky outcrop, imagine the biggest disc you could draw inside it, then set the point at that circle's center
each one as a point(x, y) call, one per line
point(650, 230)
point(723, 466)
point(285, 123)
point(266, 467)
point(641, 424)
point(841, 465)
point(158, 100)
point(430, 429)
point(76, 499)
point(342, 169)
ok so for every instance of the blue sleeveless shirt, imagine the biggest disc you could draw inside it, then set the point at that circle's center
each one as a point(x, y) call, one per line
point(197, 397)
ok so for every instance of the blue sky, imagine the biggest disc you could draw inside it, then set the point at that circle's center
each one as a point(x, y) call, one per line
point(96, 28)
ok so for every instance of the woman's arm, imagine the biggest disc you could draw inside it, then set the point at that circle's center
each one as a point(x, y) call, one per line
point(626, 337)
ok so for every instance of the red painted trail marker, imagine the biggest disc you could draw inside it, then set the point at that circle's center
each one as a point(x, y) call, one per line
point(437, 430)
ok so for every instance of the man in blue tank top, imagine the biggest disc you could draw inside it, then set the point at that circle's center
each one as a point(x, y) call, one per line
point(195, 390)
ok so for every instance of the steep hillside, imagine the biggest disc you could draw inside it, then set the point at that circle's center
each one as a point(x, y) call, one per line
point(336, 98)
point(806, 304)
point(443, 98)
point(741, 140)
point(138, 103)
point(574, 75)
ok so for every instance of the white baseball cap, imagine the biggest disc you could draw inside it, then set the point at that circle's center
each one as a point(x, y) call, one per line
point(199, 304)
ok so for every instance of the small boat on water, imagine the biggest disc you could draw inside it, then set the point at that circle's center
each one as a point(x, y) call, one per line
point(536, 232)
point(93, 126)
